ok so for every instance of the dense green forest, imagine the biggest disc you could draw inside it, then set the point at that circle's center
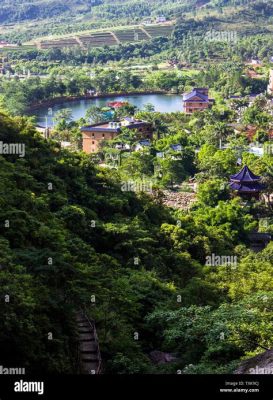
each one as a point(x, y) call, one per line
point(69, 234)
point(72, 238)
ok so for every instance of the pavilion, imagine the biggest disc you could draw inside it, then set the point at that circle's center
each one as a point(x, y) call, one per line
point(246, 184)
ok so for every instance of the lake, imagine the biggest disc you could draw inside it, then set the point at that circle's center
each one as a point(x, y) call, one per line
point(162, 103)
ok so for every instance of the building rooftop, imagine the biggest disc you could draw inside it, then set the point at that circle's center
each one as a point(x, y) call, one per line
point(117, 104)
point(144, 142)
point(176, 147)
point(195, 93)
point(259, 236)
point(245, 181)
point(130, 119)
point(245, 175)
point(257, 187)
point(114, 126)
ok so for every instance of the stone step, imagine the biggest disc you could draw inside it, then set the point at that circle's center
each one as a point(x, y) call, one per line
point(81, 320)
point(83, 324)
point(89, 367)
point(85, 330)
point(88, 346)
point(80, 317)
point(88, 352)
point(84, 337)
point(89, 357)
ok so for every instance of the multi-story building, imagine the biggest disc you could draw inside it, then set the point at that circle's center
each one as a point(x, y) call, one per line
point(93, 135)
point(197, 100)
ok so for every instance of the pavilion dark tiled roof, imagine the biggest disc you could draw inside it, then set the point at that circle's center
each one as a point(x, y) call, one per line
point(245, 181)
point(257, 187)
point(245, 175)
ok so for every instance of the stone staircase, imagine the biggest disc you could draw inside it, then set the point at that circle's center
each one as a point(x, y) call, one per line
point(88, 345)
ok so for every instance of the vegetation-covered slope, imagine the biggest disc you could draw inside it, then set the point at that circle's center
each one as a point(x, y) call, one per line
point(69, 234)
point(15, 11)
point(63, 19)
point(71, 238)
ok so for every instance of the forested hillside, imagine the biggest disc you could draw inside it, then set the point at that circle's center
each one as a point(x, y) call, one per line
point(15, 11)
point(75, 236)
point(21, 19)
point(71, 238)
point(68, 234)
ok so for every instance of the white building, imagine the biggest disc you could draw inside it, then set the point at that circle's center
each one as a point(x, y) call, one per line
point(142, 144)
point(160, 19)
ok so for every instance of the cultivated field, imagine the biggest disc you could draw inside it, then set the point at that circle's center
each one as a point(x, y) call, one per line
point(108, 38)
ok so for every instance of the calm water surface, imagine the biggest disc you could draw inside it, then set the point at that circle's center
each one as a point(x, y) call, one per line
point(161, 102)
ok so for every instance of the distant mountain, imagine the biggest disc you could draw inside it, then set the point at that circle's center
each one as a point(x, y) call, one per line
point(18, 10)
point(263, 7)
point(84, 14)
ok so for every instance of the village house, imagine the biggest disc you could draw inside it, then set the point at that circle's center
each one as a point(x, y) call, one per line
point(123, 146)
point(93, 135)
point(142, 144)
point(256, 62)
point(197, 100)
point(176, 147)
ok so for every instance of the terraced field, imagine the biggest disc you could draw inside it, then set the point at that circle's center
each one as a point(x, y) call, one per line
point(159, 30)
point(110, 38)
point(66, 42)
point(6, 50)
point(98, 40)
point(131, 35)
